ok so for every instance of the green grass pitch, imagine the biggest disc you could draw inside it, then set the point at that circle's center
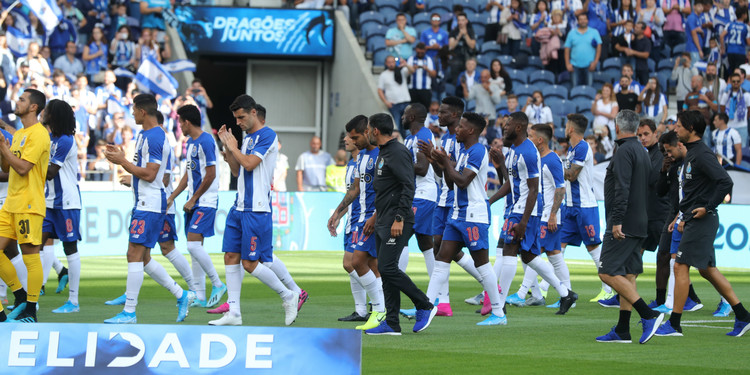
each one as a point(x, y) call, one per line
point(534, 341)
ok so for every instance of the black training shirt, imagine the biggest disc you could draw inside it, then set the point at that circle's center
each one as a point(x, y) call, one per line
point(626, 188)
point(657, 204)
point(704, 182)
point(394, 184)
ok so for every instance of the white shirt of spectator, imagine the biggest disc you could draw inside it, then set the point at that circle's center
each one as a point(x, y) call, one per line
point(495, 11)
point(601, 121)
point(470, 78)
point(282, 164)
point(420, 80)
point(724, 141)
point(313, 167)
point(538, 114)
point(733, 122)
point(394, 92)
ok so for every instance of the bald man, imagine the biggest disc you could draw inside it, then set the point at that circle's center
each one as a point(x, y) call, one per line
point(311, 167)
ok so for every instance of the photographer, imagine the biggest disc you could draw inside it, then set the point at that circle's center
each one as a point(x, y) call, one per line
point(422, 70)
point(123, 50)
point(683, 72)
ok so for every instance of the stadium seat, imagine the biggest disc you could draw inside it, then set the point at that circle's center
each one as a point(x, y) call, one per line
point(423, 17)
point(470, 13)
point(378, 58)
point(613, 71)
point(517, 75)
point(484, 61)
point(491, 46)
point(582, 91)
point(421, 27)
point(588, 116)
point(393, 4)
point(612, 62)
point(467, 4)
point(439, 5)
point(600, 78)
point(664, 78)
point(582, 103)
point(651, 65)
point(471, 105)
point(450, 89)
point(555, 91)
point(535, 61)
point(478, 31)
point(525, 90)
point(371, 17)
point(478, 19)
point(560, 132)
point(557, 106)
point(529, 70)
point(505, 60)
point(678, 49)
point(372, 29)
point(542, 77)
point(390, 17)
point(375, 43)
point(665, 64)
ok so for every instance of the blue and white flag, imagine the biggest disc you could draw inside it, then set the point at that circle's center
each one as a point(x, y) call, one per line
point(180, 66)
point(47, 11)
point(18, 41)
point(122, 72)
point(156, 78)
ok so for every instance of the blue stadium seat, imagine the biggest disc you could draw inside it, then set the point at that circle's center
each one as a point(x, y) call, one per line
point(478, 31)
point(557, 106)
point(378, 58)
point(450, 89)
point(393, 4)
point(390, 16)
point(555, 91)
point(582, 91)
point(505, 60)
point(470, 13)
point(471, 105)
point(421, 27)
point(517, 75)
point(560, 132)
point(613, 71)
point(491, 46)
point(423, 17)
point(612, 62)
point(588, 116)
point(439, 5)
point(543, 77)
point(467, 4)
point(478, 18)
point(485, 61)
point(582, 103)
point(375, 43)
point(665, 64)
point(665, 81)
point(523, 90)
point(651, 65)
point(372, 29)
point(371, 17)
point(529, 70)
point(678, 49)
point(535, 61)
point(600, 78)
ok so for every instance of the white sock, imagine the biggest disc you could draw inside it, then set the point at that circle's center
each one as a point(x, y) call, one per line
point(440, 275)
point(3, 289)
point(547, 272)
point(359, 293)
point(74, 276)
point(234, 275)
point(199, 278)
point(497, 267)
point(157, 272)
point(374, 288)
point(23, 274)
point(268, 277)
point(182, 266)
point(489, 283)
point(595, 255)
point(48, 257)
point(444, 295)
point(133, 285)
point(467, 263)
point(669, 303)
point(57, 265)
point(529, 277)
point(544, 286)
point(403, 259)
point(508, 272)
point(429, 261)
point(279, 268)
point(196, 250)
point(561, 269)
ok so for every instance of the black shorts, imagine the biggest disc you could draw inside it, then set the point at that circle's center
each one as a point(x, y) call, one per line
point(665, 240)
point(697, 245)
point(654, 235)
point(621, 257)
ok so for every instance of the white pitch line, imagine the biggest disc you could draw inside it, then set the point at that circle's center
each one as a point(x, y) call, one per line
point(707, 321)
point(703, 326)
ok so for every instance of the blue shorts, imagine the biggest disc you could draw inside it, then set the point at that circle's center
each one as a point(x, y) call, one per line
point(360, 242)
point(169, 230)
point(529, 242)
point(473, 235)
point(439, 219)
point(145, 227)
point(676, 238)
point(548, 240)
point(424, 211)
point(201, 221)
point(581, 225)
point(62, 224)
point(250, 234)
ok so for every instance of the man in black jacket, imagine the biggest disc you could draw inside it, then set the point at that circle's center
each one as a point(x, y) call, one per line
point(625, 199)
point(704, 185)
point(394, 193)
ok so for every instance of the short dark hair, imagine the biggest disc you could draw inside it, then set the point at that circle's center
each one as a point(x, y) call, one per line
point(190, 113)
point(260, 111)
point(648, 122)
point(580, 122)
point(456, 103)
point(519, 118)
point(668, 138)
point(418, 110)
point(420, 45)
point(401, 14)
point(476, 119)
point(723, 117)
point(37, 97)
point(159, 118)
point(692, 121)
point(243, 101)
point(146, 102)
point(741, 10)
point(544, 130)
point(60, 118)
point(196, 80)
point(383, 122)
point(358, 124)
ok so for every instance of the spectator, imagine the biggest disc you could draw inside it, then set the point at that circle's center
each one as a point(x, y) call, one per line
point(68, 63)
point(336, 173)
point(495, 9)
point(393, 90)
point(280, 171)
point(640, 50)
point(95, 12)
point(468, 77)
point(626, 98)
point(694, 33)
point(73, 14)
point(596, 148)
point(151, 14)
point(7, 61)
point(123, 50)
point(605, 108)
point(538, 21)
point(400, 38)
point(487, 96)
point(582, 51)
point(627, 71)
point(598, 14)
point(64, 32)
point(357, 7)
point(432, 120)
point(675, 10)
point(700, 99)
point(422, 70)
point(513, 104)
point(707, 26)
point(95, 55)
point(46, 54)
point(711, 79)
point(38, 66)
point(735, 46)
point(745, 66)
point(59, 88)
point(499, 77)
point(100, 169)
point(654, 102)
point(413, 6)
point(462, 44)
point(722, 14)
point(727, 141)
point(605, 142)
point(735, 103)
point(683, 73)
point(434, 38)
point(104, 94)
point(743, 75)
point(453, 16)
point(495, 129)
point(147, 46)
point(621, 16)
point(340, 5)
point(202, 100)
point(653, 17)
point(550, 39)
point(35, 29)
point(114, 132)
point(311, 167)
point(537, 111)
point(87, 106)
point(624, 41)
point(513, 21)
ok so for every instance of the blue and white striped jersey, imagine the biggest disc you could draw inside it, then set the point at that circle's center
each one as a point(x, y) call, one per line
point(168, 188)
point(151, 146)
point(351, 168)
point(580, 193)
point(525, 164)
point(724, 141)
point(62, 191)
point(420, 80)
point(365, 172)
point(426, 187)
point(254, 187)
point(449, 144)
point(471, 204)
point(201, 153)
point(552, 179)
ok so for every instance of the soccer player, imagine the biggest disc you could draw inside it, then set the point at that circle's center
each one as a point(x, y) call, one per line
point(149, 211)
point(704, 186)
point(249, 228)
point(203, 199)
point(521, 228)
point(63, 195)
point(21, 217)
point(553, 192)
point(580, 221)
point(625, 200)
point(364, 255)
point(469, 218)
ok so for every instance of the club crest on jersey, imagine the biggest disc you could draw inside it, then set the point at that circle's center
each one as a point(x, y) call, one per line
point(689, 168)
point(250, 144)
point(382, 162)
point(370, 163)
point(53, 148)
point(194, 152)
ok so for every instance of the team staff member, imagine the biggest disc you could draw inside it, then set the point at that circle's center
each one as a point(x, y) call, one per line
point(21, 217)
point(394, 193)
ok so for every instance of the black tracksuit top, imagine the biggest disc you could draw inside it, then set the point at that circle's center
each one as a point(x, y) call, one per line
point(626, 188)
point(394, 184)
point(704, 182)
